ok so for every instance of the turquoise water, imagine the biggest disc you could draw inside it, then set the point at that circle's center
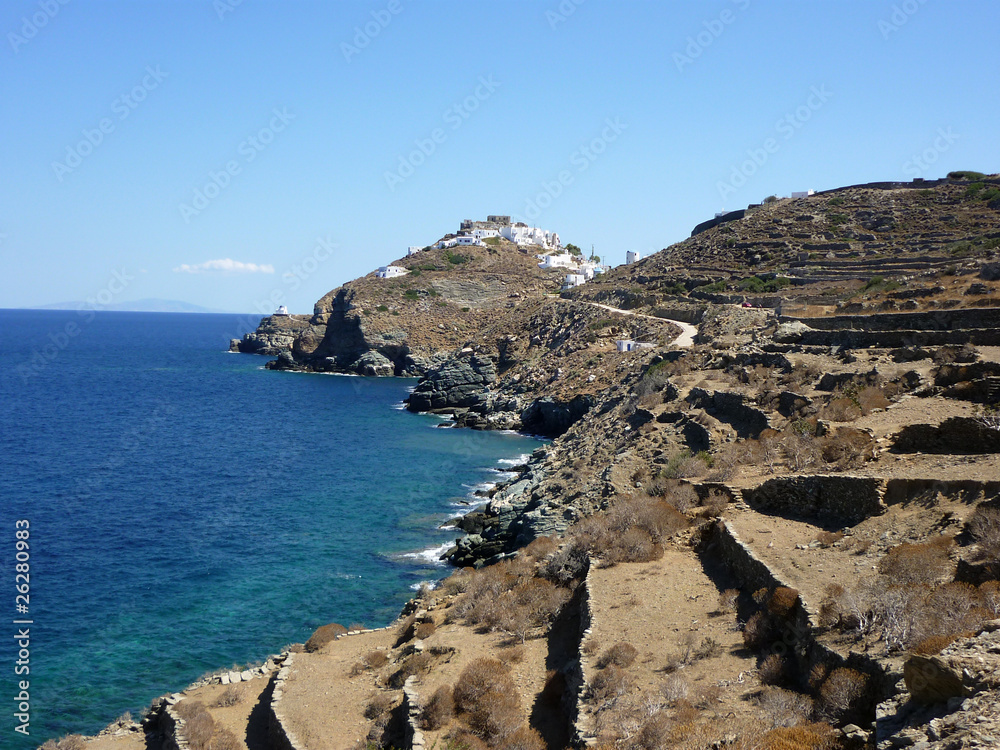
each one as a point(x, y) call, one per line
point(189, 510)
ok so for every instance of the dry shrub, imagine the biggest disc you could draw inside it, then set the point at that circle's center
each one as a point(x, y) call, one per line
point(424, 630)
point(727, 601)
point(714, 504)
point(232, 695)
point(635, 545)
point(524, 738)
point(984, 525)
point(621, 655)
point(708, 649)
point(989, 593)
point(758, 631)
point(841, 410)
point(513, 654)
point(413, 664)
point(842, 692)
point(783, 708)
point(356, 626)
point(609, 684)
point(323, 636)
point(847, 449)
point(924, 562)
point(782, 602)
point(675, 688)
point(871, 398)
point(381, 703)
point(828, 538)
point(496, 716)
point(773, 670)
point(439, 709)
point(457, 582)
point(934, 644)
point(681, 496)
point(655, 732)
point(69, 742)
point(480, 677)
point(199, 726)
point(803, 737)
point(541, 547)
point(568, 564)
point(375, 659)
point(463, 739)
point(224, 739)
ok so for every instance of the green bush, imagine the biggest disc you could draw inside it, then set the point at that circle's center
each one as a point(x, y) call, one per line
point(965, 175)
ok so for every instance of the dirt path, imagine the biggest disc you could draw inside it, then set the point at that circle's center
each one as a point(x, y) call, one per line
point(688, 331)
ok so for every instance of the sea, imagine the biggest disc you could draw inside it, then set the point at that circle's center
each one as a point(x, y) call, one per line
point(180, 509)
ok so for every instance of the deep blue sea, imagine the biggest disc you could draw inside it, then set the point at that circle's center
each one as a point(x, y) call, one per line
point(190, 510)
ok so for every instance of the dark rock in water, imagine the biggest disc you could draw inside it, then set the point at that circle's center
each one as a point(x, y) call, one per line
point(274, 334)
point(285, 361)
point(458, 382)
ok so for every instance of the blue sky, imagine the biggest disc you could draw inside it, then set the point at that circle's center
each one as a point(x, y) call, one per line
point(229, 153)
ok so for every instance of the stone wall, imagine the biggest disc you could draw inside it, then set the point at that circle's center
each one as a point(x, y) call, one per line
point(926, 491)
point(577, 678)
point(938, 320)
point(958, 435)
point(845, 500)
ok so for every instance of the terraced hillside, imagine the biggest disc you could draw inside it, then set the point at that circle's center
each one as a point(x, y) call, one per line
point(785, 535)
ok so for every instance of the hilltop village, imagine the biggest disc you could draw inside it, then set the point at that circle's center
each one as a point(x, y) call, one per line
point(775, 525)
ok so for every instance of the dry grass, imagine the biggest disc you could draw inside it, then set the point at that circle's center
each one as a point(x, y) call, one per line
point(621, 655)
point(232, 695)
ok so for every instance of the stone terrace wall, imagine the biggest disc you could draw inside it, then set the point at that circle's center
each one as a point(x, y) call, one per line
point(938, 320)
point(576, 680)
point(840, 499)
point(925, 491)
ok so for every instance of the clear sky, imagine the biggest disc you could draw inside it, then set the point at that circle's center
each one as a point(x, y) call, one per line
point(227, 153)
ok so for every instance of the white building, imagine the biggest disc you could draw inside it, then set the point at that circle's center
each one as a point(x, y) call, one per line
point(627, 345)
point(574, 279)
point(632, 256)
point(282, 310)
point(468, 240)
point(413, 250)
point(482, 234)
point(390, 272)
point(803, 194)
point(557, 260)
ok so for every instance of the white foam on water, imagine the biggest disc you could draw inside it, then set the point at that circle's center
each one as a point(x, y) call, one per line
point(517, 461)
point(431, 555)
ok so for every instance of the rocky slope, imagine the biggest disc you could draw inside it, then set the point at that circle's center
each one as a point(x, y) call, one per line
point(821, 467)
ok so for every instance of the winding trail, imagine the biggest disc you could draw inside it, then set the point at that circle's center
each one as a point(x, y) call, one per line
point(688, 331)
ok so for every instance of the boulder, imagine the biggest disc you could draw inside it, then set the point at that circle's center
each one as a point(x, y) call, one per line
point(790, 332)
point(374, 364)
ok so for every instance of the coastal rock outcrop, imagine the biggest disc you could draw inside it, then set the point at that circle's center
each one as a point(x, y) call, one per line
point(274, 334)
point(457, 383)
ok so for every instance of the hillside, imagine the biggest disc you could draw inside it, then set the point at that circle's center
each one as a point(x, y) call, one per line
point(784, 534)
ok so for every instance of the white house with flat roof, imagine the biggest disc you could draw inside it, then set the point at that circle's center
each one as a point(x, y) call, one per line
point(803, 193)
point(413, 250)
point(390, 272)
point(557, 260)
point(627, 345)
point(574, 279)
point(632, 256)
